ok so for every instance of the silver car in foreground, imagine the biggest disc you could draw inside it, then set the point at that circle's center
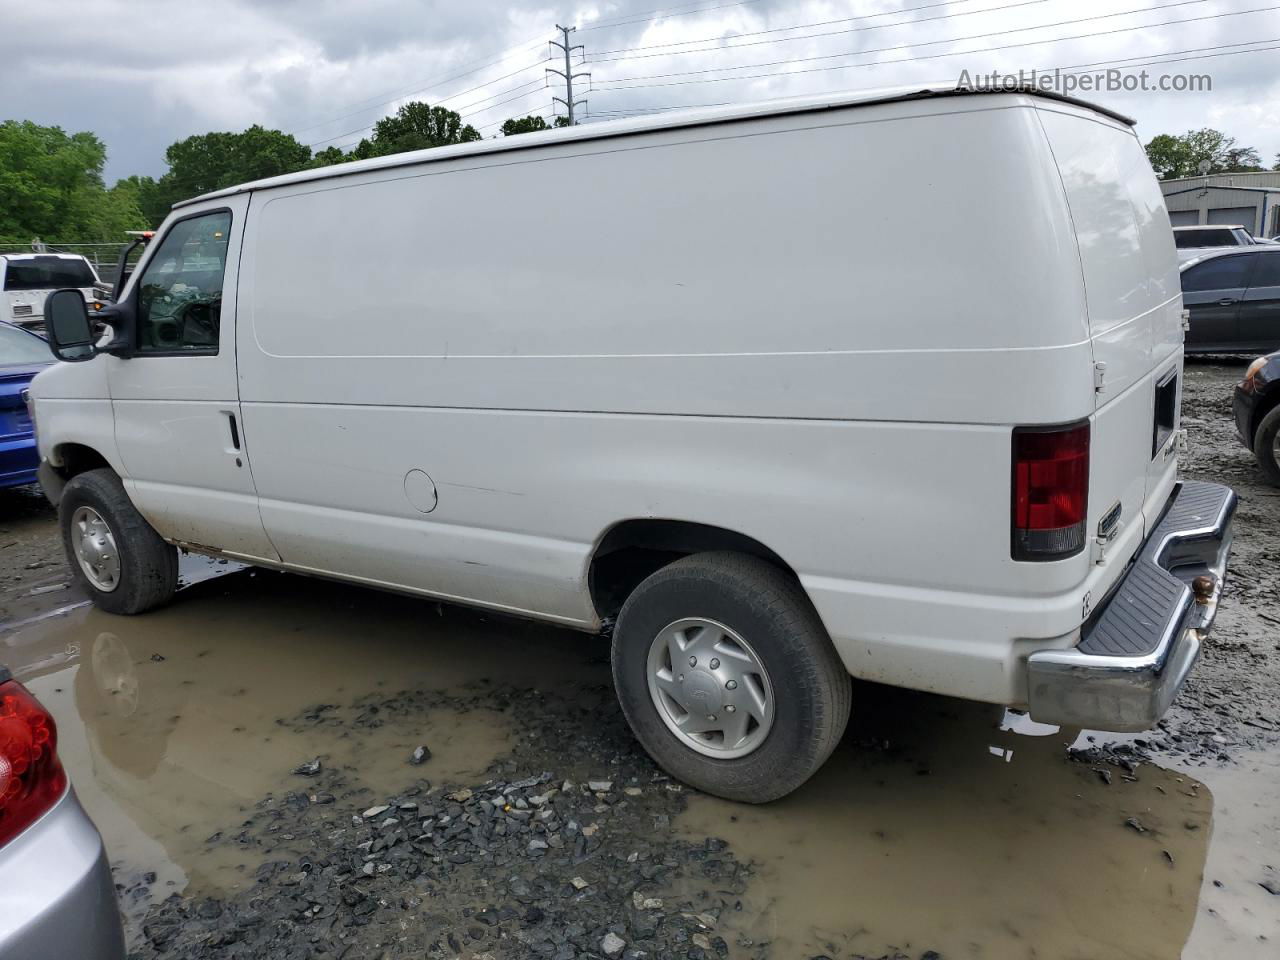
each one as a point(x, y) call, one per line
point(57, 901)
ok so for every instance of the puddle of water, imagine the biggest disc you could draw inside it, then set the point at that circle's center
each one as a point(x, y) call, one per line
point(969, 838)
point(1237, 917)
point(168, 721)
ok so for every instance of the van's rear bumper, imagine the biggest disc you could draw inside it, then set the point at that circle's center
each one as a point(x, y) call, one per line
point(1137, 649)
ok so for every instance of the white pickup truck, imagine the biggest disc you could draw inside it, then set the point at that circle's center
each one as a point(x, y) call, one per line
point(760, 424)
point(26, 279)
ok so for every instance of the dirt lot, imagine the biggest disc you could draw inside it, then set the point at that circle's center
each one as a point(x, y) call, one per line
point(252, 756)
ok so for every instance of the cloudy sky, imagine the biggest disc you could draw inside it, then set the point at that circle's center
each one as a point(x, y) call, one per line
point(143, 73)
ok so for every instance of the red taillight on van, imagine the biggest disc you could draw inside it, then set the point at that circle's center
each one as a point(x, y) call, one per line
point(1050, 491)
point(31, 778)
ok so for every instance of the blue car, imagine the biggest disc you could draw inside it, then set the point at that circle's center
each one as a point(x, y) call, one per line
point(22, 356)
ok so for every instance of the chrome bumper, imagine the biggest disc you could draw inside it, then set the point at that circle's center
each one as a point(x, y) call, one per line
point(1137, 649)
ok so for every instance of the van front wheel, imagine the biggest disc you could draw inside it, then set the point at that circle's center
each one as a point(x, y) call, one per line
point(728, 678)
point(114, 554)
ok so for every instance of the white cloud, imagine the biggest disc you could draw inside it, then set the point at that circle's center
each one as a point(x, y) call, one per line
point(143, 73)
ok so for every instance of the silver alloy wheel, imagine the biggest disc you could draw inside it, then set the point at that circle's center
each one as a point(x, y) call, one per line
point(95, 547)
point(711, 689)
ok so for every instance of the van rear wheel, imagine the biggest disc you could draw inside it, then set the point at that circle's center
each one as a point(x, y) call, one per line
point(728, 678)
point(114, 554)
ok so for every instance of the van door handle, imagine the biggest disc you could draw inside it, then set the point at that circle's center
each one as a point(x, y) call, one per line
point(235, 431)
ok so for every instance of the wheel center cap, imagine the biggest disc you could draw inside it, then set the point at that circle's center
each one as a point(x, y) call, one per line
point(702, 689)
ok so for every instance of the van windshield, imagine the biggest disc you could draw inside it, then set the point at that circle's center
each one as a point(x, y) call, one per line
point(47, 273)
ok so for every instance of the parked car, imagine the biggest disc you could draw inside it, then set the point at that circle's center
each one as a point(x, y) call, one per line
point(1257, 409)
point(1213, 235)
point(22, 356)
point(26, 279)
point(755, 440)
point(59, 901)
point(1195, 242)
point(1233, 297)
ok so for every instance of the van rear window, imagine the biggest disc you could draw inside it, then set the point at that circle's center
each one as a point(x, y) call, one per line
point(47, 273)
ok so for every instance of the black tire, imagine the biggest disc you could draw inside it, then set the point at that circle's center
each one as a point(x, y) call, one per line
point(768, 609)
point(148, 566)
point(1264, 446)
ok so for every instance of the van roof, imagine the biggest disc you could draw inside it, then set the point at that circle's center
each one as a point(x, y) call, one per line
point(637, 125)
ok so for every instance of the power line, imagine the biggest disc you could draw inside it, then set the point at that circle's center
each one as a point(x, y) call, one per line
point(801, 26)
point(827, 33)
point(934, 56)
point(495, 123)
point(639, 18)
point(539, 82)
point(901, 46)
point(474, 113)
point(391, 97)
point(1169, 53)
point(1076, 68)
point(454, 96)
point(662, 13)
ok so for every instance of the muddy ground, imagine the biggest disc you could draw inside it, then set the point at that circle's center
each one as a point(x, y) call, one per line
point(284, 768)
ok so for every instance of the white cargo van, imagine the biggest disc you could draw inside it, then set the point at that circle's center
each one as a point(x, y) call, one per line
point(884, 385)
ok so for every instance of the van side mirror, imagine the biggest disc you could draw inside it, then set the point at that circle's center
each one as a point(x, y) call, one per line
point(68, 327)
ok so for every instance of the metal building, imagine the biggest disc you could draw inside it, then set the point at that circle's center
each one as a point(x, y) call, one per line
point(1249, 199)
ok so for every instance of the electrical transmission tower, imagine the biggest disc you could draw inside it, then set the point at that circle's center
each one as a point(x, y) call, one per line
point(567, 74)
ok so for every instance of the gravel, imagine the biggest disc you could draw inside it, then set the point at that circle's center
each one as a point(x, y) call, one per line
point(538, 859)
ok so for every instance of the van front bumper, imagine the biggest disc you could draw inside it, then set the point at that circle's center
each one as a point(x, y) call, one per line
point(1138, 647)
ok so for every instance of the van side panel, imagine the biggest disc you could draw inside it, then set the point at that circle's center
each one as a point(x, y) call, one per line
point(1130, 272)
point(737, 325)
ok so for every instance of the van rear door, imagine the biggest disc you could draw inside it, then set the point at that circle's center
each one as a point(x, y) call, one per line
point(1130, 272)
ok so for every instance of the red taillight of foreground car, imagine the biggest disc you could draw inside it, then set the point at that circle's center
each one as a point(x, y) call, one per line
point(1050, 491)
point(31, 778)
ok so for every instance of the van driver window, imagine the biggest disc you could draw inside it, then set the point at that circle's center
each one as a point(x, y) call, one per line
point(180, 294)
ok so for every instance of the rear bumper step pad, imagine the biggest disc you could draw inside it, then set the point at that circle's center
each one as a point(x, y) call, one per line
point(1136, 652)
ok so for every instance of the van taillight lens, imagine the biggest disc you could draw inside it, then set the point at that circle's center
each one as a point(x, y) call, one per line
point(1050, 491)
point(31, 778)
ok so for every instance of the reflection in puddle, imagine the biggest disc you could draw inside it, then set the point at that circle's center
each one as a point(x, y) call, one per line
point(936, 827)
point(1238, 919)
point(170, 723)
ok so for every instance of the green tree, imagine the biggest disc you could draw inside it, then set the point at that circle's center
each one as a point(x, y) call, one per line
point(529, 124)
point(1182, 156)
point(147, 196)
point(1242, 160)
point(415, 126)
point(329, 156)
point(51, 185)
point(212, 161)
point(1168, 156)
